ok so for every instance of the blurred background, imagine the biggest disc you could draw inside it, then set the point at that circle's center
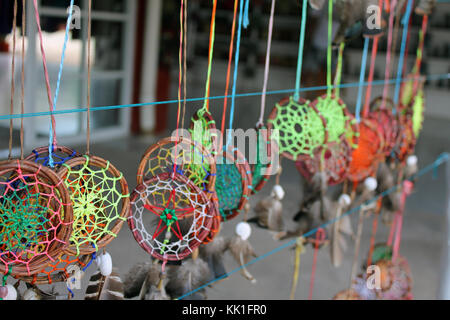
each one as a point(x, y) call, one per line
point(135, 60)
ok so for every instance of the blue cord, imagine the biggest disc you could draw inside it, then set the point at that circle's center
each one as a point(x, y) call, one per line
point(58, 84)
point(236, 67)
point(431, 77)
point(401, 62)
point(300, 51)
point(362, 76)
point(246, 16)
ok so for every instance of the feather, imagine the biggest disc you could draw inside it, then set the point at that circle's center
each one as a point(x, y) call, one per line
point(212, 253)
point(105, 288)
point(242, 251)
point(338, 243)
point(191, 275)
point(135, 278)
point(269, 214)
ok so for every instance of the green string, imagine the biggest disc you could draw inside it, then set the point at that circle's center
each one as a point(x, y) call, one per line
point(330, 40)
point(339, 70)
point(211, 53)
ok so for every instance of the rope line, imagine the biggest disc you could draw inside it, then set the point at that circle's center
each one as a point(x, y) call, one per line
point(443, 158)
point(431, 77)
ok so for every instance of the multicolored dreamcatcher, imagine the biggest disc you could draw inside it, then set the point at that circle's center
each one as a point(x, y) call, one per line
point(35, 217)
point(35, 210)
point(176, 182)
point(98, 191)
point(189, 158)
point(177, 209)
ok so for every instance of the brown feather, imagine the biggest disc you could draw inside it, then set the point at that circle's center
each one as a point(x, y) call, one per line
point(242, 251)
point(105, 288)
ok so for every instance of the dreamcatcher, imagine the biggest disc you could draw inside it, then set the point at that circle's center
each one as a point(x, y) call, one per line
point(54, 155)
point(176, 191)
point(35, 209)
point(177, 209)
point(98, 191)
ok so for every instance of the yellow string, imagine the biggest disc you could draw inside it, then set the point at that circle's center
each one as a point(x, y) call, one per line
point(299, 250)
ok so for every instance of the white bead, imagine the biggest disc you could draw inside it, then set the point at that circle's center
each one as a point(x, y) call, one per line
point(243, 230)
point(104, 263)
point(12, 293)
point(278, 192)
point(412, 160)
point(371, 184)
point(345, 200)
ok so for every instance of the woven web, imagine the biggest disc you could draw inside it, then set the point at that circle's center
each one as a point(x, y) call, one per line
point(228, 187)
point(190, 160)
point(418, 110)
point(365, 158)
point(300, 128)
point(96, 199)
point(59, 157)
point(333, 112)
point(169, 217)
point(59, 270)
point(30, 218)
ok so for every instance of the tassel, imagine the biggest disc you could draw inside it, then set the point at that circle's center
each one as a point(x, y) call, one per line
point(105, 287)
point(337, 240)
point(241, 249)
point(269, 211)
point(212, 254)
point(137, 275)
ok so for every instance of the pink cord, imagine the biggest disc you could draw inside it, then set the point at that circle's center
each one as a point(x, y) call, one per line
point(320, 238)
point(407, 190)
point(389, 54)
point(47, 79)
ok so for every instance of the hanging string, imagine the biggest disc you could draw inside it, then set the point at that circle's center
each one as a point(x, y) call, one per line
point(320, 237)
point(362, 76)
point(405, 23)
point(47, 79)
point(374, 230)
point(180, 65)
point(337, 79)
point(230, 59)
point(420, 53)
point(330, 43)
point(22, 94)
point(299, 250)
point(211, 53)
point(13, 86)
point(372, 66)
point(184, 63)
point(301, 50)
point(236, 67)
point(388, 53)
point(89, 71)
point(267, 66)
